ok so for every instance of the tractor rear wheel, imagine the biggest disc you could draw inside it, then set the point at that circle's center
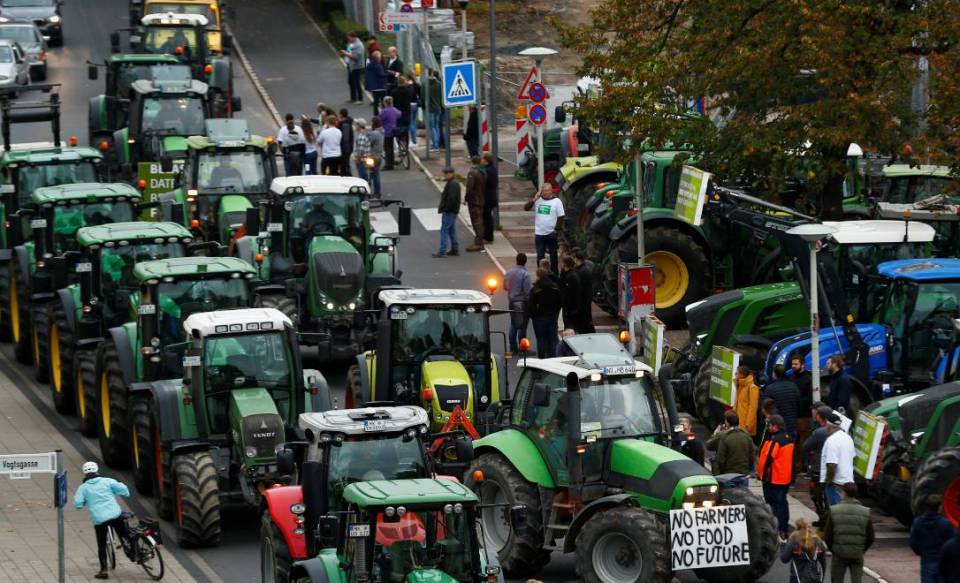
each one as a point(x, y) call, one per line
point(196, 499)
point(286, 305)
point(112, 400)
point(275, 561)
point(20, 319)
point(40, 325)
point(5, 302)
point(894, 493)
point(60, 340)
point(762, 533)
point(85, 391)
point(141, 443)
point(939, 474)
point(623, 544)
point(577, 219)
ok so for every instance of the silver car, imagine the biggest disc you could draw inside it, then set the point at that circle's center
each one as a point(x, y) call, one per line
point(14, 70)
point(44, 13)
point(31, 41)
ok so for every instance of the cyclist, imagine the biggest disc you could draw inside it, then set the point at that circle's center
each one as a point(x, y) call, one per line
point(99, 494)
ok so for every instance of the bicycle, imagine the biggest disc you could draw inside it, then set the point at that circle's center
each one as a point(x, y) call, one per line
point(402, 137)
point(142, 547)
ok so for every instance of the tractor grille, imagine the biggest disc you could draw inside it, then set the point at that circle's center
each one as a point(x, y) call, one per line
point(452, 395)
point(264, 432)
point(340, 275)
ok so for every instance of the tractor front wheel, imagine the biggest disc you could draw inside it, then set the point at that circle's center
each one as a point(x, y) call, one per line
point(40, 325)
point(113, 402)
point(275, 561)
point(141, 443)
point(60, 361)
point(286, 305)
point(939, 474)
point(762, 534)
point(622, 545)
point(196, 500)
point(20, 319)
point(892, 492)
point(521, 554)
point(85, 391)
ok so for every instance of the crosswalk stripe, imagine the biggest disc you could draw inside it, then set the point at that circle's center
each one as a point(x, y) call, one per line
point(429, 218)
point(384, 223)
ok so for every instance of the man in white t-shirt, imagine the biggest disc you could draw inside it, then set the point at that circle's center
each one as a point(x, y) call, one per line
point(329, 142)
point(293, 145)
point(548, 210)
point(836, 463)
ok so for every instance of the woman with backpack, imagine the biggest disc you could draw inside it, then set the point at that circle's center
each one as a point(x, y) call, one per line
point(806, 553)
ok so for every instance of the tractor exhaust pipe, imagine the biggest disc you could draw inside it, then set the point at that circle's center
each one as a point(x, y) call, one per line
point(670, 402)
point(574, 437)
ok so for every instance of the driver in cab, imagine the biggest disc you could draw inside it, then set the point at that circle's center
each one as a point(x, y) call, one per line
point(225, 175)
point(318, 220)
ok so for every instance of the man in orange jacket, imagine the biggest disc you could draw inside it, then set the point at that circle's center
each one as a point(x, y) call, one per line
point(747, 403)
point(775, 469)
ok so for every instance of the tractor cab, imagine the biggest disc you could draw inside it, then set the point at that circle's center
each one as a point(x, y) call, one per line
point(926, 193)
point(108, 111)
point(209, 9)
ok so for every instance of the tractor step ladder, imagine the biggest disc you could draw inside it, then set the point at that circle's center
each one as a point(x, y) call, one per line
point(557, 531)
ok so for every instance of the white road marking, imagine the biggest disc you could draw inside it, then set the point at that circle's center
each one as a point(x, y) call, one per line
point(384, 223)
point(429, 218)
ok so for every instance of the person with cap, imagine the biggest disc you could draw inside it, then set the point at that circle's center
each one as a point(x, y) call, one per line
point(836, 461)
point(448, 208)
point(775, 470)
point(99, 495)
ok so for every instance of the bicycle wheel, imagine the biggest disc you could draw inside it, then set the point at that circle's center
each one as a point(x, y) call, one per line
point(149, 557)
point(111, 548)
point(405, 154)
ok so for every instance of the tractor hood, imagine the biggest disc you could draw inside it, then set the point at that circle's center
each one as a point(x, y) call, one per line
point(255, 424)
point(175, 145)
point(232, 213)
point(450, 382)
point(656, 474)
point(337, 267)
point(428, 576)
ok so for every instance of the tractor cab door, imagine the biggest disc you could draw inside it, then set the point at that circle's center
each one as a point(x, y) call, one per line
point(542, 415)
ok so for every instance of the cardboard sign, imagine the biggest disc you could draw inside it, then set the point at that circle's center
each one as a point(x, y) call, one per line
point(692, 194)
point(637, 290)
point(709, 537)
point(652, 332)
point(867, 434)
point(723, 381)
point(158, 182)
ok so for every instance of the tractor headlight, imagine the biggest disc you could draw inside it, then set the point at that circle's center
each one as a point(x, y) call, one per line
point(389, 512)
point(250, 451)
point(700, 496)
point(352, 305)
point(458, 508)
point(330, 305)
point(401, 510)
point(53, 19)
point(298, 508)
point(448, 509)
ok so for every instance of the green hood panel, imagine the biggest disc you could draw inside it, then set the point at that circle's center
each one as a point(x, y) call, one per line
point(247, 402)
point(231, 203)
point(520, 452)
point(173, 144)
point(656, 475)
point(429, 576)
point(330, 244)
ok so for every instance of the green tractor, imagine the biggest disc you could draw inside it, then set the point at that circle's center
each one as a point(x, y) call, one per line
point(604, 485)
point(94, 285)
point(436, 343)
point(226, 172)
point(35, 272)
point(208, 437)
point(146, 349)
point(926, 193)
point(341, 447)
point(319, 261)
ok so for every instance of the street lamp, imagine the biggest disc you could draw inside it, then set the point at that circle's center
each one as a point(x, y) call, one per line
point(813, 233)
point(537, 54)
point(463, 8)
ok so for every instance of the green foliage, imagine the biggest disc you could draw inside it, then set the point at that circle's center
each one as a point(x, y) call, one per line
point(339, 25)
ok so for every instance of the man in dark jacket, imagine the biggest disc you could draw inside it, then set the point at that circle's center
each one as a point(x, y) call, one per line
point(394, 68)
point(476, 181)
point(448, 208)
point(927, 535)
point(472, 134)
point(786, 397)
point(570, 288)
point(544, 309)
point(810, 454)
point(848, 533)
point(585, 273)
point(736, 452)
point(375, 80)
point(775, 470)
point(691, 446)
point(950, 560)
point(841, 387)
point(346, 142)
point(491, 196)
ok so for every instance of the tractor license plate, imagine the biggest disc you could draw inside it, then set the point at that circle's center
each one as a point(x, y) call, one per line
point(358, 530)
point(618, 370)
point(399, 315)
point(274, 227)
point(84, 267)
point(374, 425)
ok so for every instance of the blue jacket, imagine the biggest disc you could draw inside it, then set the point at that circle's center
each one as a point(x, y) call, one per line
point(928, 533)
point(99, 495)
point(375, 77)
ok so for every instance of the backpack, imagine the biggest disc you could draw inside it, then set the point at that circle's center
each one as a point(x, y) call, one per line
point(807, 569)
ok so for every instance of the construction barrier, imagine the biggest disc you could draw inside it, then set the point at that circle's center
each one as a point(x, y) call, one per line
point(523, 134)
point(484, 130)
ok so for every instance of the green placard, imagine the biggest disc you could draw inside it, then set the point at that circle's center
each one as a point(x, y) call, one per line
point(651, 345)
point(723, 382)
point(692, 194)
point(867, 435)
point(158, 182)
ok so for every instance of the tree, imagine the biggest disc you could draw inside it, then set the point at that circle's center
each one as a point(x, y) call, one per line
point(788, 84)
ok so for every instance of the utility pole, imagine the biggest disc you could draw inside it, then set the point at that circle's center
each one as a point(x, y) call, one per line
point(492, 102)
point(638, 182)
point(538, 53)
point(425, 96)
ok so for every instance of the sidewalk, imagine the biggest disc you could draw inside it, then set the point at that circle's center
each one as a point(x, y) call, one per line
point(28, 519)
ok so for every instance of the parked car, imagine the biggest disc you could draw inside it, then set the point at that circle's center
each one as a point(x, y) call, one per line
point(44, 13)
point(14, 70)
point(31, 41)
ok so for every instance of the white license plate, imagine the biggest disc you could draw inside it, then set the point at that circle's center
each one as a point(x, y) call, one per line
point(401, 315)
point(374, 425)
point(358, 530)
point(38, 224)
point(147, 309)
point(84, 267)
point(191, 361)
point(274, 227)
point(614, 370)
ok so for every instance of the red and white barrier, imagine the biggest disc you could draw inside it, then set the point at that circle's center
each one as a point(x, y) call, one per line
point(523, 134)
point(484, 130)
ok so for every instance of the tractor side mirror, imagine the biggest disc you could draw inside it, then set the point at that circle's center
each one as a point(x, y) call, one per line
point(404, 220)
point(226, 41)
point(252, 222)
point(286, 461)
point(541, 395)
point(621, 204)
point(327, 531)
point(559, 114)
point(92, 72)
point(518, 517)
point(114, 42)
point(236, 104)
point(464, 447)
point(166, 163)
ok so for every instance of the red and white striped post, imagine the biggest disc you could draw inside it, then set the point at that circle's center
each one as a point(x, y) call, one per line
point(523, 133)
point(484, 130)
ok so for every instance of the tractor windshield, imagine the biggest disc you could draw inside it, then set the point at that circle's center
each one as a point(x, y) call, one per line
point(180, 115)
point(180, 299)
point(373, 457)
point(228, 172)
point(921, 316)
point(30, 178)
point(456, 330)
point(127, 73)
point(117, 263)
point(160, 40)
point(618, 407)
point(68, 219)
point(911, 189)
point(326, 214)
point(858, 261)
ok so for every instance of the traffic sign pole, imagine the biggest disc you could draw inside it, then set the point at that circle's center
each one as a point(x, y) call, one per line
point(639, 206)
point(540, 149)
point(62, 475)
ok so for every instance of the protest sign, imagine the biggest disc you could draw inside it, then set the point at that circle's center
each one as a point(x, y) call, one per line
point(709, 537)
point(867, 435)
point(723, 382)
point(651, 343)
point(692, 194)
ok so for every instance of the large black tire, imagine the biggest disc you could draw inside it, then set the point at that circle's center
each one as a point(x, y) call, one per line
point(20, 318)
point(598, 247)
point(522, 554)
point(576, 221)
point(892, 493)
point(623, 543)
point(85, 391)
point(141, 444)
point(197, 500)
point(939, 474)
point(40, 325)
point(164, 486)
point(113, 410)
point(710, 412)
point(60, 361)
point(286, 305)
point(275, 561)
point(5, 302)
point(670, 250)
point(762, 532)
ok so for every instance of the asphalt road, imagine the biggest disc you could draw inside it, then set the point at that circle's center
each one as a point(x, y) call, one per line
point(298, 69)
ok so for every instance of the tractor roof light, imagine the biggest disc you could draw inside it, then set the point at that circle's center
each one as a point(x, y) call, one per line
point(524, 344)
point(258, 257)
point(427, 394)
point(74, 141)
point(478, 475)
point(103, 145)
point(194, 224)
point(624, 336)
point(207, 69)
point(142, 184)
point(492, 284)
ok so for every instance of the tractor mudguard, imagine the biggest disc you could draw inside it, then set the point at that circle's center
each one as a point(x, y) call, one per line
point(278, 501)
point(520, 452)
point(623, 228)
point(322, 569)
point(724, 479)
point(69, 307)
point(124, 354)
point(98, 118)
point(588, 511)
point(317, 395)
point(271, 289)
point(121, 147)
point(246, 247)
point(753, 340)
point(594, 203)
point(608, 172)
point(220, 77)
point(365, 378)
point(23, 262)
point(168, 398)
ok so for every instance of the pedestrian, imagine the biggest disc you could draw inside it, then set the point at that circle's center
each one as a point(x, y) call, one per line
point(346, 142)
point(811, 451)
point(950, 560)
point(848, 533)
point(372, 44)
point(736, 452)
point(806, 553)
point(375, 80)
point(767, 408)
point(293, 145)
point(394, 68)
point(99, 495)
point(310, 147)
point(585, 273)
point(330, 143)
point(403, 95)
point(389, 116)
point(691, 446)
point(570, 290)
point(517, 283)
point(415, 100)
point(775, 470)
point(928, 534)
point(449, 208)
point(544, 311)
point(471, 134)
point(353, 55)
point(548, 210)
point(361, 148)
point(841, 387)
point(836, 462)
point(437, 111)
point(786, 397)
point(491, 199)
point(476, 184)
point(803, 379)
point(747, 404)
point(376, 153)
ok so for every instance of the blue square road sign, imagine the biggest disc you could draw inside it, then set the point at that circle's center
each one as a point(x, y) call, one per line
point(459, 83)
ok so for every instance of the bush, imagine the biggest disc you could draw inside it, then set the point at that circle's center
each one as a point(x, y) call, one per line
point(322, 9)
point(339, 25)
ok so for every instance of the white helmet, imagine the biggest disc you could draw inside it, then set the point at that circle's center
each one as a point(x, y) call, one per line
point(90, 468)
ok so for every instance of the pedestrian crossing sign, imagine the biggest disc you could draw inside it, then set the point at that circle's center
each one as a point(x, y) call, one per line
point(459, 83)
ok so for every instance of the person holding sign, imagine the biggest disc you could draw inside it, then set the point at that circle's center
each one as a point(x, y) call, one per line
point(748, 400)
point(775, 470)
point(849, 533)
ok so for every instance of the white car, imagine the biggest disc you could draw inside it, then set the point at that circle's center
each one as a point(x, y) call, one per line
point(31, 41)
point(14, 69)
